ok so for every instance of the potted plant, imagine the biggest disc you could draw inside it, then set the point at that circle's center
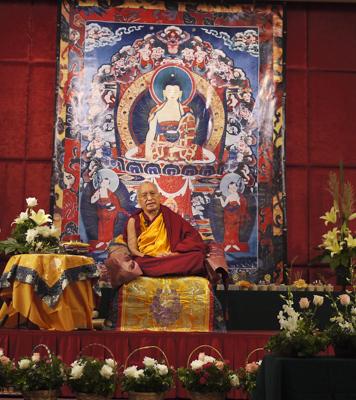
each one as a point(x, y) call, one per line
point(93, 378)
point(299, 336)
point(6, 370)
point(248, 374)
point(39, 377)
point(151, 381)
point(342, 326)
point(33, 232)
point(339, 243)
point(207, 377)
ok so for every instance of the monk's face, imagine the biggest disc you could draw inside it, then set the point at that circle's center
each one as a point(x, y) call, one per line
point(149, 198)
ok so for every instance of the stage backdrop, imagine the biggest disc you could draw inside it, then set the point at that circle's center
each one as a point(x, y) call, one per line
point(187, 97)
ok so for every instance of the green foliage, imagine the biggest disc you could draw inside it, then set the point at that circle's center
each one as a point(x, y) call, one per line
point(208, 378)
point(150, 380)
point(91, 375)
point(43, 374)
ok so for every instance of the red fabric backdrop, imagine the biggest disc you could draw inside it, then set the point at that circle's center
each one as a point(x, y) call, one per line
point(321, 83)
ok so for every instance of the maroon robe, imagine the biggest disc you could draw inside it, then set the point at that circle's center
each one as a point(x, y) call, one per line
point(183, 239)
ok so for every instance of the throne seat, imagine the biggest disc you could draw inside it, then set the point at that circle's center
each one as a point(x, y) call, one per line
point(180, 304)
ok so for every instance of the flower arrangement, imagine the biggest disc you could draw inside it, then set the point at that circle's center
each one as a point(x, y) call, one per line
point(339, 243)
point(299, 335)
point(93, 376)
point(208, 375)
point(6, 368)
point(342, 327)
point(248, 376)
point(33, 232)
point(38, 373)
point(152, 377)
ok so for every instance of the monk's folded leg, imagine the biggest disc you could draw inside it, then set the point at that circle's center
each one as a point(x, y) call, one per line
point(187, 264)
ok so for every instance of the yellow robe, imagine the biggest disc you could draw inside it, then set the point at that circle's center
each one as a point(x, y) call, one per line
point(153, 240)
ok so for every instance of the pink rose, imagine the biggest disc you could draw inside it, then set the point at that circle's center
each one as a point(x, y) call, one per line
point(4, 360)
point(304, 303)
point(344, 299)
point(36, 357)
point(251, 368)
point(219, 365)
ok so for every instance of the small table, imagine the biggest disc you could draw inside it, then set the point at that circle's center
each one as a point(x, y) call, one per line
point(53, 291)
point(317, 378)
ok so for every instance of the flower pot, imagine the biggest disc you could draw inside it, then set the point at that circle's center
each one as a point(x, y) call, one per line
point(146, 395)
point(207, 396)
point(91, 396)
point(40, 395)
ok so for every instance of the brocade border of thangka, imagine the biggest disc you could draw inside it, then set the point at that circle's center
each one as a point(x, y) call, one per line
point(77, 158)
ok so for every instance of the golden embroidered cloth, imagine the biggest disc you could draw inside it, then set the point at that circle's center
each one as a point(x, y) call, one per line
point(53, 291)
point(153, 239)
point(166, 304)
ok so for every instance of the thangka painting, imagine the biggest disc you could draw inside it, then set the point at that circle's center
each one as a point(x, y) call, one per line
point(188, 97)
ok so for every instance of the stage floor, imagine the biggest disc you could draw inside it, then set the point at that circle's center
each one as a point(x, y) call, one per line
point(235, 346)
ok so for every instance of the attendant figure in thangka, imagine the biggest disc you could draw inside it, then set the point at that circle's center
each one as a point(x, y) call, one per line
point(108, 207)
point(235, 216)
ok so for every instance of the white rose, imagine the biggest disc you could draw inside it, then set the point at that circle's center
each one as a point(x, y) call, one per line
point(76, 372)
point(131, 372)
point(36, 357)
point(318, 300)
point(110, 362)
point(344, 299)
point(106, 371)
point(234, 379)
point(304, 303)
point(162, 369)
point(209, 359)
point(139, 372)
point(149, 362)
point(31, 201)
point(196, 364)
point(24, 363)
point(1, 352)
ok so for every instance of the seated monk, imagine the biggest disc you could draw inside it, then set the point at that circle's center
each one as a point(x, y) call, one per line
point(161, 242)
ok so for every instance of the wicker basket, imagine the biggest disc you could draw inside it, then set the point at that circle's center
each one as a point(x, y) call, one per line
point(90, 396)
point(208, 395)
point(93, 396)
point(50, 394)
point(259, 349)
point(146, 395)
point(41, 395)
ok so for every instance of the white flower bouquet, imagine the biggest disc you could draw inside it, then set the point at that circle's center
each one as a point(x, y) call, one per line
point(91, 375)
point(299, 334)
point(33, 232)
point(153, 376)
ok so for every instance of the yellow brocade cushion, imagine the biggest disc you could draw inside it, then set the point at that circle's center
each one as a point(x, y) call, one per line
point(166, 304)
